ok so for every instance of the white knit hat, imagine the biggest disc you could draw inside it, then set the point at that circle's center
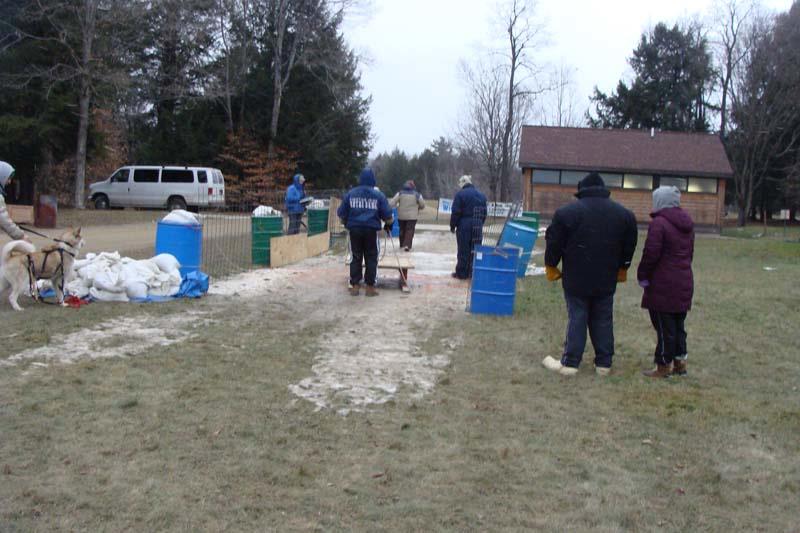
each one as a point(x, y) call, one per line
point(463, 180)
point(5, 172)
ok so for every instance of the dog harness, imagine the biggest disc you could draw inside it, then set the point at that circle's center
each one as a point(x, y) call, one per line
point(59, 270)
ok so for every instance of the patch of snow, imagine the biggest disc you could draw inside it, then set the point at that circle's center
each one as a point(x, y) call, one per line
point(120, 337)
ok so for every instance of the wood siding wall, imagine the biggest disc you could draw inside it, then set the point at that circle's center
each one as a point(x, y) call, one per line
point(705, 209)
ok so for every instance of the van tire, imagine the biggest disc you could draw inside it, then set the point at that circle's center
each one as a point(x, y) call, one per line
point(176, 202)
point(101, 202)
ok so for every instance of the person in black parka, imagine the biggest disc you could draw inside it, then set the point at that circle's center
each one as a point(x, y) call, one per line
point(594, 239)
point(466, 221)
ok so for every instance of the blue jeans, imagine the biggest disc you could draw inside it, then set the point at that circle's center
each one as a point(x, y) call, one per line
point(598, 315)
point(295, 219)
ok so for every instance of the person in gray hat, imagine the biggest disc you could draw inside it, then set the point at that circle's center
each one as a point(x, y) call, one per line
point(665, 274)
point(6, 224)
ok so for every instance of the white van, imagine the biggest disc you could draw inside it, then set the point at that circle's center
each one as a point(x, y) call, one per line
point(170, 187)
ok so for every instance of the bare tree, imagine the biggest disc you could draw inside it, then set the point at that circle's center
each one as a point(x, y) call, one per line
point(234, 34)
point(292, 25)
point(765, 110)
point(558, 106)
point(500, 98)
point(523, 36)
point(730, 22)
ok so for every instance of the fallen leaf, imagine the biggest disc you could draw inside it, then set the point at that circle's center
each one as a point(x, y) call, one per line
point(217, 432)
point(378, 474)
point(7, 470)
point(647, 442)
point(680, 491)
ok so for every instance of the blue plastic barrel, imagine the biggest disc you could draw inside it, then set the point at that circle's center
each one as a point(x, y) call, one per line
point(523, 237)
point(494, 281)
point(395, 224)
point(184, 242)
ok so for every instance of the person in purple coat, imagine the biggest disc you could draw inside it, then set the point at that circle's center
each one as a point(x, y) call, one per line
point(665, 273)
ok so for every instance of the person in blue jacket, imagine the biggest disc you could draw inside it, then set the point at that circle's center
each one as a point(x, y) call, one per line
point(466, 221)
point(294, 208)
point(362, 210)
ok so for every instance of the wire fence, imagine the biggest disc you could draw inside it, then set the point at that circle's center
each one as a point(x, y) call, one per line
point(228, 229)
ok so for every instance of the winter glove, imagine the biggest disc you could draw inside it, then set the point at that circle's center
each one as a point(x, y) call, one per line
point(452, 229)
point(387, 227)
point(552, 273)
point(622, 275)
point(643, 283)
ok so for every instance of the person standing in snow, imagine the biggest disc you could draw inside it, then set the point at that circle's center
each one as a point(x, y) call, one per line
point(466, 221)
point(362, 210)
point(409, 203)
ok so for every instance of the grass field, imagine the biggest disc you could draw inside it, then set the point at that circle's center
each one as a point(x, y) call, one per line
point(204, 434)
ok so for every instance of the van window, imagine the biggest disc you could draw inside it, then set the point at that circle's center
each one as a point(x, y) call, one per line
point(145, 175)
point(121, 176)
point(218, 177)
point(202, 177)
point(169, 175)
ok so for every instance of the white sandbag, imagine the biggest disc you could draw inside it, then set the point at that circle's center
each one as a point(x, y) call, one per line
point(105, 296)
point(136, 290)
point(109, 281)
point(166, 262)
point(77, 287)
point(182, 218)
point(265, 211)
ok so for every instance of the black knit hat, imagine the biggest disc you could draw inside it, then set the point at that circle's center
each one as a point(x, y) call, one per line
point(591, 180)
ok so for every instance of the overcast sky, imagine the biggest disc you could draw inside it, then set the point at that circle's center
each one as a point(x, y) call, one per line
point(412, 49)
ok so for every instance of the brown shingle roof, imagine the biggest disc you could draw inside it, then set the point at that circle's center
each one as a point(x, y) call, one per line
point(687, 154)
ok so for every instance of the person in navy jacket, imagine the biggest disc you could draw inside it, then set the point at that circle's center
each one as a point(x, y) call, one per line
point(362, 210)
point(294, 208)
point(466, 221)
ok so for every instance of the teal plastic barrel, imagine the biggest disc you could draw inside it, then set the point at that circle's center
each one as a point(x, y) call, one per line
point(494, 281)
point(522, 237)
point(317, 221)
point(263, 229)
point(185, 242)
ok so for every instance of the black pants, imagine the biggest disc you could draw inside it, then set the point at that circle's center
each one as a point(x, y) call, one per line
point(598, 315)
point(364, 245)
point(407, 233)
point(467, 236)
point(294, 223)
point(671, 343)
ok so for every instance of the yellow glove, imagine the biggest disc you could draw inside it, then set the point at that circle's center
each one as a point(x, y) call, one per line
point(622, 275)
point(552, 273)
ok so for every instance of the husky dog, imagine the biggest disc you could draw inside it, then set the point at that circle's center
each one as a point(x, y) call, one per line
point(21, 265)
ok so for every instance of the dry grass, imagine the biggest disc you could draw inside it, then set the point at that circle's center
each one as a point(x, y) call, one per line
point(68, 217)
point(205, 435)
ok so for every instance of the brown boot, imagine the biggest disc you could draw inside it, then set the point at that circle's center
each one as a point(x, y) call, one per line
point(353, 289)
point(371, 291)
point(679, 367)
point(660, 371)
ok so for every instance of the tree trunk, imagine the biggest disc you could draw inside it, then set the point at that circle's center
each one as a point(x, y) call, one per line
point(85, 96)
point(80, 155)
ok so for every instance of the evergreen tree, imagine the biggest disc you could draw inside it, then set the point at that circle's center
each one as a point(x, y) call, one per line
point(673, 79)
